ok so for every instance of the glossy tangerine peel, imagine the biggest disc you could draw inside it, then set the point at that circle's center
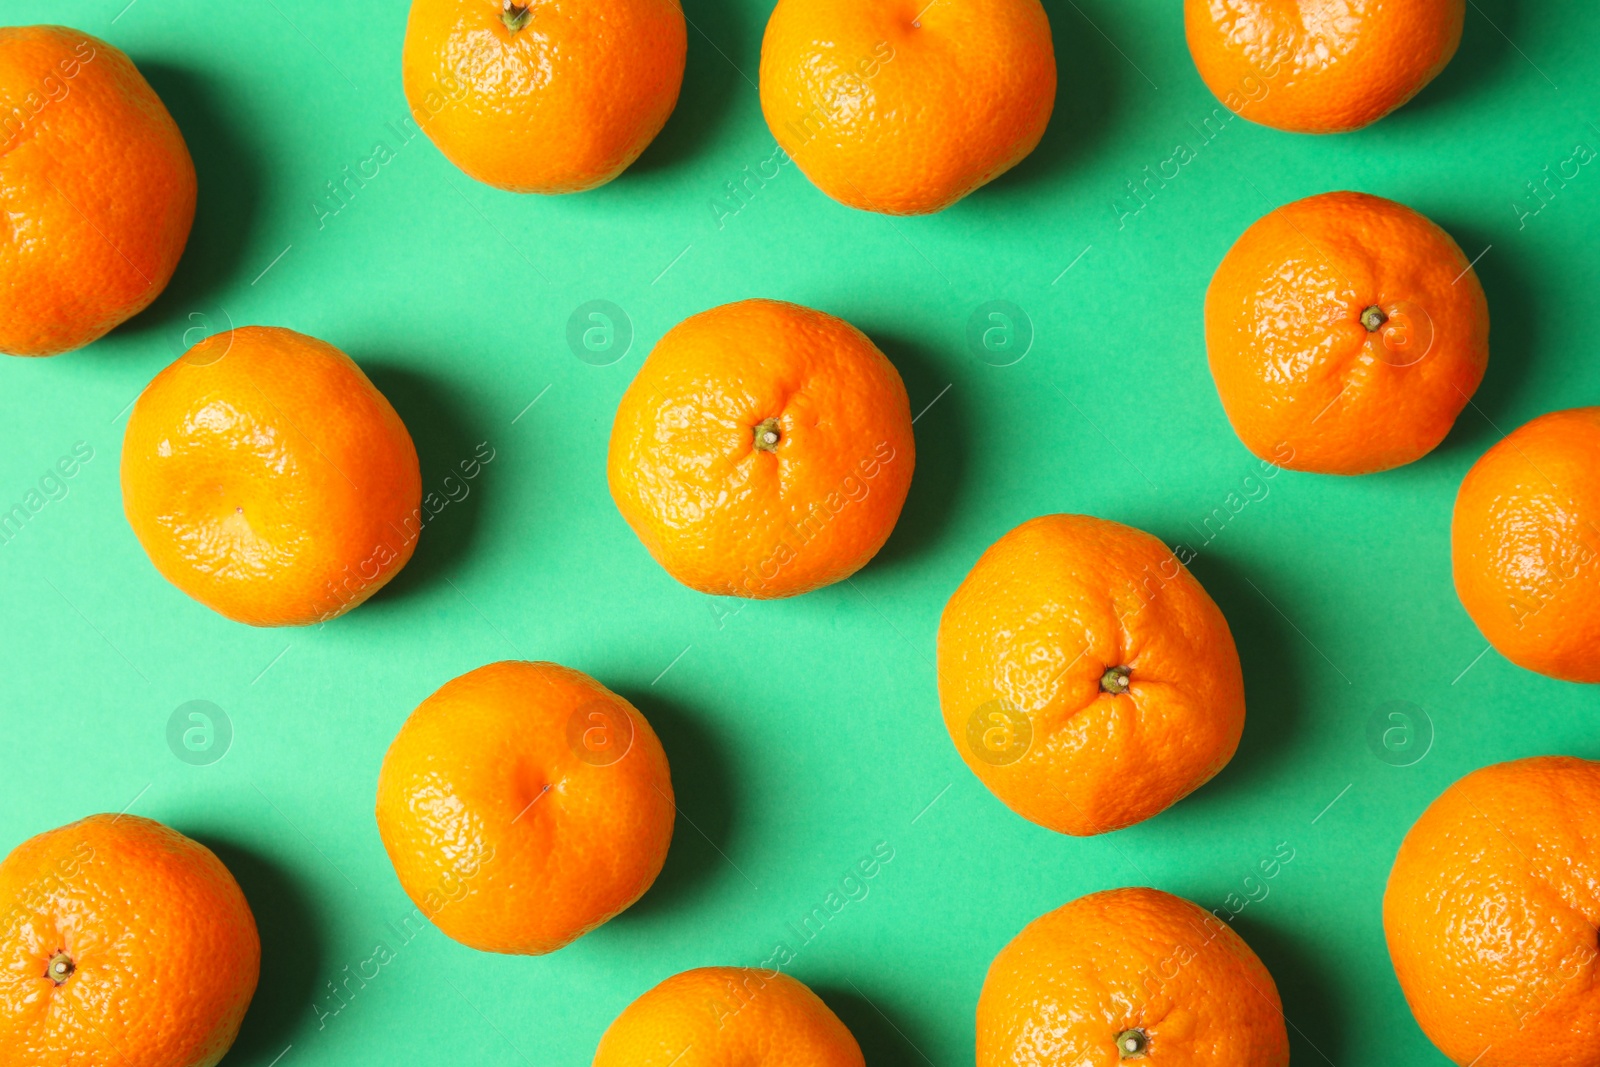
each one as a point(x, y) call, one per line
point(1043, 615)
point(901, 107)
point(728, 518)
point(1304, 383)
point(503, 828)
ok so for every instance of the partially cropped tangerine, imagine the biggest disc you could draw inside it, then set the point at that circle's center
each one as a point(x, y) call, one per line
point(1491, 913)
point(99, 190)
point(524, 804)
point(268, 478)
point(905, 106)
point(1525, 545)
point(1320, 67)
point(763, 450)
point(122, 944)
point(547, 96)
point(1345, 333)
point(1130, 976)
point(721, 1016)
point(1085, 676)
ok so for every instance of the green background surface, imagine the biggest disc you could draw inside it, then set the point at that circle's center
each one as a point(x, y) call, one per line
point(801, 733)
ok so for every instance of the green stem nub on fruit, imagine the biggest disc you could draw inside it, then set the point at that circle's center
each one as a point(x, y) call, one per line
point(1373, 318)
point(515, 15)
point(767, 435)
point(1132, 1044)
point(60, 968)
point(1115, 682)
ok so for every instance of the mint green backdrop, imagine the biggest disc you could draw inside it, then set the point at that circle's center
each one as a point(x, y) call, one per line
point(804, 733)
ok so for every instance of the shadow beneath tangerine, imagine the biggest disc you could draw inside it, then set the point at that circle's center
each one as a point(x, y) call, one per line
point(711, 86)
point(1472, 70)
point(444, 432)
point(701, 788)
point(1310, 1007)
point(1513, 340)
point(941, 435)
point(228, 171)
point(291, 953)
point(1270, 658)
point(884, 1041)
point(1086, 86)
